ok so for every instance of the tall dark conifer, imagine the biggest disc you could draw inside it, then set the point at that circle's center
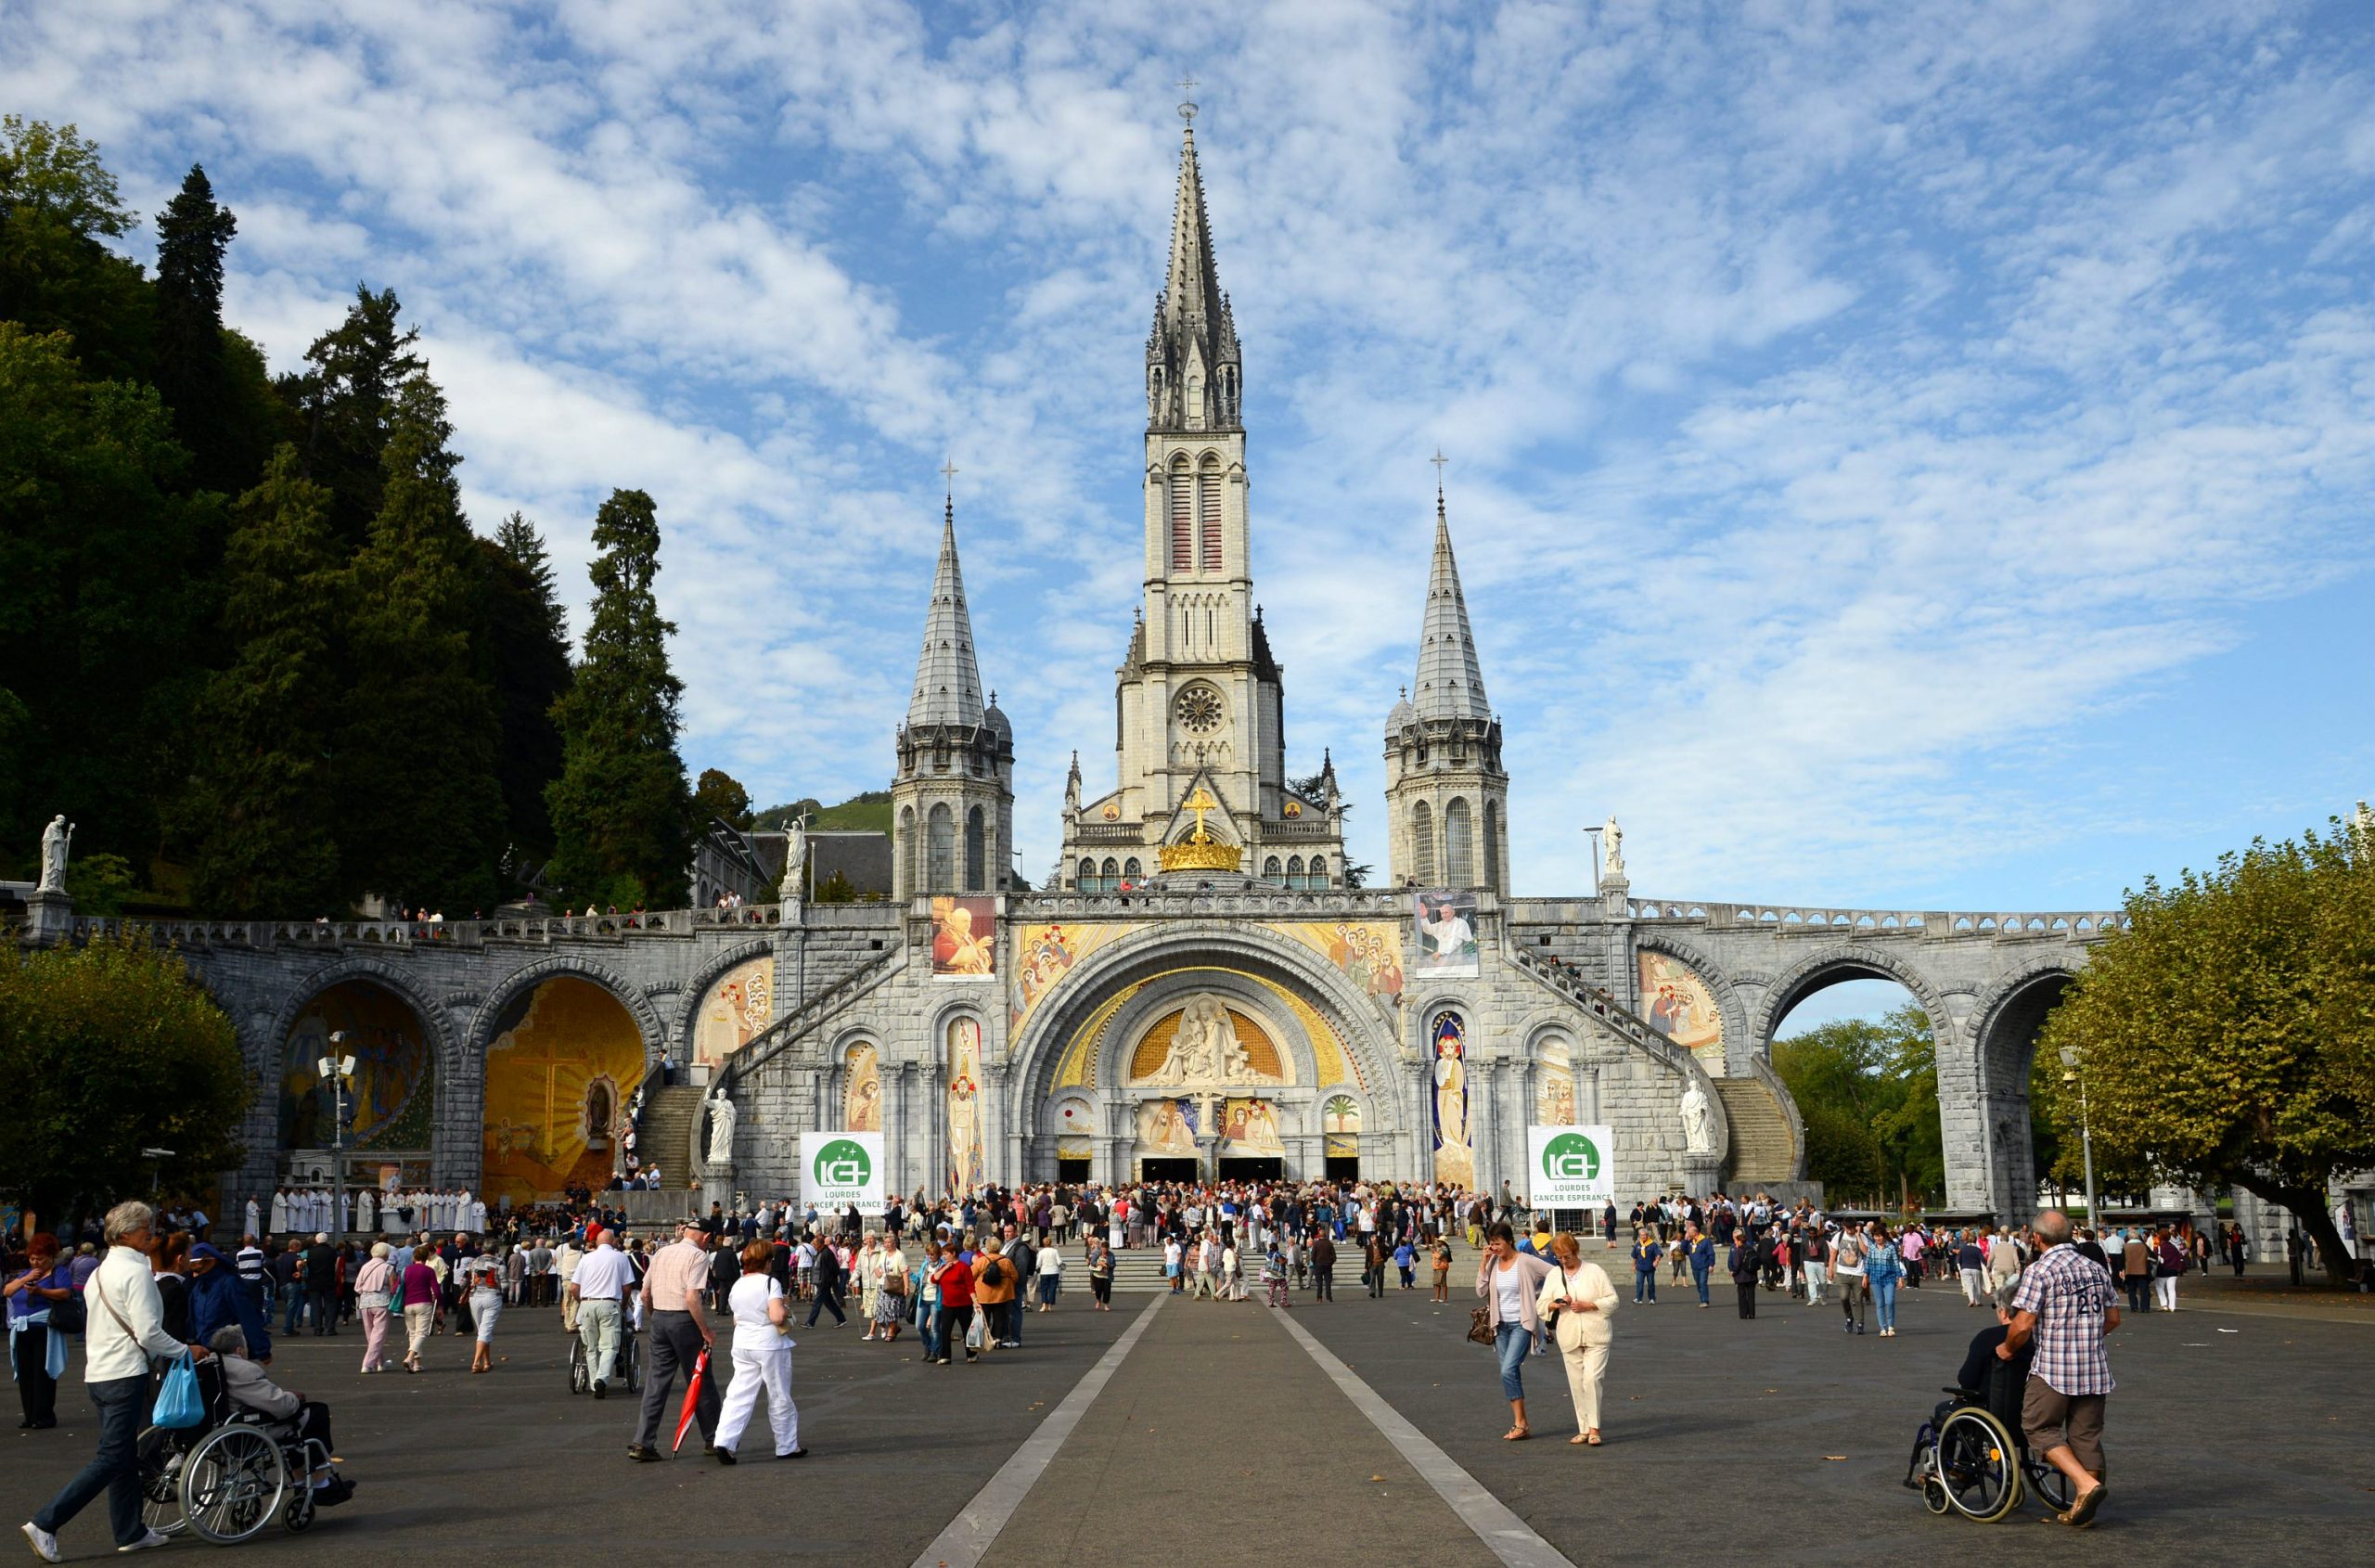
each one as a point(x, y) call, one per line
point(526, 658)
point(347, 398)
point(193, 232)
point(621, 811)
point(420, 811)
point(260, 809)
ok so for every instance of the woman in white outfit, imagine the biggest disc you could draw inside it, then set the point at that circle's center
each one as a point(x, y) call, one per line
point(1579, 1299)
point(762, 1359)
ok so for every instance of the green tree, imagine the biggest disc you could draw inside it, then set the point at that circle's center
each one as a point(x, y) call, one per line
point(348, 399)
point(623, 815)
point(1868, 1095)
point(420, 810)
point(2227, 1036)
point(260, 808)
point(718, 793)
point(203, 378)
point(105, 1049)
point(58, 207)
point(98, 883)
point(526, 660)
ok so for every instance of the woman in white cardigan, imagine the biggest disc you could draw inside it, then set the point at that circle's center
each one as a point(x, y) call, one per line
point(1580, 1299)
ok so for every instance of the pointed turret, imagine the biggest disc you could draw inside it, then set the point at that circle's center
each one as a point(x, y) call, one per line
point(1451, 685)
point(948, 678)
point(1192, 364)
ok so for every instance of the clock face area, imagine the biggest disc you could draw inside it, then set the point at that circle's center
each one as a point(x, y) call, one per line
point(1199, 710)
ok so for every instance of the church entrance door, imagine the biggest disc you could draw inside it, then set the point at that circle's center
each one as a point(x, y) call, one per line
point(1168, 1169)
point(1253, 1169)
point(1343, 1167)
point(1071, 1170)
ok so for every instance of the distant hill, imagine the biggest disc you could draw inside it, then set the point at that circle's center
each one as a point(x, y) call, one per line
point(866, 813)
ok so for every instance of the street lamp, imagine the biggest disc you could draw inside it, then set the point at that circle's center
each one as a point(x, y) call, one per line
point(2070, 1060)
point(156, 1157)
point(335, 1071)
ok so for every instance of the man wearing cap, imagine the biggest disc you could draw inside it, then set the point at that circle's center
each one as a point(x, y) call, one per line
point(672, 1288)
point(597, 1291)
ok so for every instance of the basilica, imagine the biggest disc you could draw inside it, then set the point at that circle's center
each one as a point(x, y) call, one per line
point(1196, 990)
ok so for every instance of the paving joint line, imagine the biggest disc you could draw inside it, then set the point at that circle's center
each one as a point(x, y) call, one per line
point(969, 1535)
point(1504, 1534)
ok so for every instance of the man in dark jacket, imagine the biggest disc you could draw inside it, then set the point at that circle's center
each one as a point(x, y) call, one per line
point(218, 1296)
point(321, 1284)
point(1025, 1259)
point(1323, 1267)
point(828, 1285)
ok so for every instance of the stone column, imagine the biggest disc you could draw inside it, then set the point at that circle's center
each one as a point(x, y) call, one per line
point(49, 917)
point(898, 1128)
point(1963, 1125)
point(1001, 1148)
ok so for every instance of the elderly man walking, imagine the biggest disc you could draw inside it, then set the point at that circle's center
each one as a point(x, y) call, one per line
point(2066, 1305)
point(124, 1327)
point(598, 1292)
point(672, 1289)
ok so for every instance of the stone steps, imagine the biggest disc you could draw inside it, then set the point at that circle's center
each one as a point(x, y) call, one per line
point(1763, 1150)
point(664, 1132)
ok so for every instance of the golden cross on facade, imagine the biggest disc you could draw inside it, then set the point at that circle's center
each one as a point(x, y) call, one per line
point(1200, 803)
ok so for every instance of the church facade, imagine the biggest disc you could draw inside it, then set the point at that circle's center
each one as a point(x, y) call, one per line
point(1195, 991)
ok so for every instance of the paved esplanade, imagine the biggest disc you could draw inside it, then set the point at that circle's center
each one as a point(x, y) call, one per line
point(1218, 1438)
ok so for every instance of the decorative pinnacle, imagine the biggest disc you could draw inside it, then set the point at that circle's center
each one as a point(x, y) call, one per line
point(1187, 104)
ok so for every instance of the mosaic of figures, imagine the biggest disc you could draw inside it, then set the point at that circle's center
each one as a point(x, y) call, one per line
point(737, 1007)
point(862, 1090)
point(966, 1165)
point(565, 1057)
point(1678, 1005)
point(394, 1069)
point(1454, 1136)
point(964, 938)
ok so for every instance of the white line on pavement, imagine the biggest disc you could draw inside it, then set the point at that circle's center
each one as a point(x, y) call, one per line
point(1503, 1533)
point(978, 1522)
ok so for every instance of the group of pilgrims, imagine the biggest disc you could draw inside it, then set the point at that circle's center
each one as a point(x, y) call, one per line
point(395, 1213)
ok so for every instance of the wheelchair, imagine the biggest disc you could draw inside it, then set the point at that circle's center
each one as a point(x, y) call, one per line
point(1970, 1457)
point(230, 1475)
point(630, 1365)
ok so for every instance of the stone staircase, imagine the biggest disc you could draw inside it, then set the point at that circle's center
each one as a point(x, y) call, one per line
point(665, 1132)
point(1763, 1148)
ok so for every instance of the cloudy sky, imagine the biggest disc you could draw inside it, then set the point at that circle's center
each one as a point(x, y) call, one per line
point(1906, 455)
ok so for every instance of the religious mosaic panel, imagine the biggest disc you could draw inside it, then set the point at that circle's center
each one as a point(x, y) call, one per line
point(1167, 1127)
point(1043, 956)
point(1368, 952)
point(966, 1165)
point(964, 938)
point(1455, 1142)
point(862, 1093)
point(565, 1058)
point(1444, 921)
point(1554, 1092)
point(1207, 1042)
point(1340, 1125)
point(1251, 1126)
point(394, 1069)
point(1678, 1005)
point(737, 1007)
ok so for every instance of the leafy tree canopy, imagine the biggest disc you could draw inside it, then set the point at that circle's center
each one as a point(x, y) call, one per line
point(718, 794)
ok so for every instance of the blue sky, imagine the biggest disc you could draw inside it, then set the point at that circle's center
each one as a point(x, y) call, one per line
point(1910, 455)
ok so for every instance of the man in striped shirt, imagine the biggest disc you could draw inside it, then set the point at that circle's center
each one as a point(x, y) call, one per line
point(2066, 1305)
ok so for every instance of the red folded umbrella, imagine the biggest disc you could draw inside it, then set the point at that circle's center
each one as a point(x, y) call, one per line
point(692, 1398)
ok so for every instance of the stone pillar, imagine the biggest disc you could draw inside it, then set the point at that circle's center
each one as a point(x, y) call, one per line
point(898, 1128)
point(999, 1148)
point(1306, 1156)
point(1963, 1125)
point(49, 917)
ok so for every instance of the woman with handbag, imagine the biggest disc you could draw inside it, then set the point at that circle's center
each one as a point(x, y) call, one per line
point(1509, 1282)
point(375, 1290)
point(956, 1281)
point(762, 1359)
point(1579, 1302)
point(1100, 1273)
point(890, 1292)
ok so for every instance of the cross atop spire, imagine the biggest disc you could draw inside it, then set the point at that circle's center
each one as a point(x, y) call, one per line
point(1192, 363)
point(1186, 103)
point(948, 678)
point(948, 475)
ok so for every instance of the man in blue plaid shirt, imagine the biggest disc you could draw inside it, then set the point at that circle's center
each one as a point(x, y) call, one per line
point(2066, 1303)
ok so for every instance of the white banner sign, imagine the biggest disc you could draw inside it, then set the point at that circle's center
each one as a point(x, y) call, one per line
point(1569, 1167)
point(839, 1169)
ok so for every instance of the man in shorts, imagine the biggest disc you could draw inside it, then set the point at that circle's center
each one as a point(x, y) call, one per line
point(2066, 1305)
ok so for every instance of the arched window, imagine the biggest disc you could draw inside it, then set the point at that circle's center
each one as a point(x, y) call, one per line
point(1459, 846)
point(906, 850)
point(1087, 880)
point(939, 850)
point(1183, 518)
point(975, 853)
point(1270, 869)
point(1294, 870)
point(1208, 516)
point(1317, 873)
point(1492, 877)
point(1130, 872)
point(1422, 844)
point(1112, 876)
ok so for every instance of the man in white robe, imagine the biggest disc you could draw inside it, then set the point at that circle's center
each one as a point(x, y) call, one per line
point(280, 1210)
point(255, 1218)
point(365, 1210)
point(478, 1213)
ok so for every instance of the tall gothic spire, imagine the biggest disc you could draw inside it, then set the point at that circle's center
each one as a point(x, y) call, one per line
point(1451, 684)
point(1192, 365)
point(948, 680)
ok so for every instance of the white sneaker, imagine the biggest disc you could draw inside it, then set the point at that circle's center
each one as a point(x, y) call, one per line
point(45, 1544)
point(145, 1542)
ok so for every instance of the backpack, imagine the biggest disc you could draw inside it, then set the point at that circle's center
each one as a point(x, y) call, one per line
point(994, 1274)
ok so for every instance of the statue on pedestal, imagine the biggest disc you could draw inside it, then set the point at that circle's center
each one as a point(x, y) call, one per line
point(1612, 837)
point(722, 1118)
point(1694, 1120)
point(53, 842)
point(795, 860)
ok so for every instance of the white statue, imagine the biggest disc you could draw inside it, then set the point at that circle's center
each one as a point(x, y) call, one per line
point(1205, 1049)
point(795, 860)
point(1613, 837)
point(54, 839)
point(721, 1117)
point(1694, 1120)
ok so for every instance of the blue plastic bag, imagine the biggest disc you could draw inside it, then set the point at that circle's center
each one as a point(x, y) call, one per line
point(179, 1403)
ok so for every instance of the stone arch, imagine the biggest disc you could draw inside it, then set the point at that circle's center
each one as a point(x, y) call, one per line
point(1738, 1043)
point(1828, 967)
point(647, 1017)
point(380, 973)
point(521, 1150)
point(2003, 1036)
point(1298, 1054)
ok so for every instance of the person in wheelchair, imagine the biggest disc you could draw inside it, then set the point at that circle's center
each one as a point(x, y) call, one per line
point(1980, 1377)
point(247, 1387)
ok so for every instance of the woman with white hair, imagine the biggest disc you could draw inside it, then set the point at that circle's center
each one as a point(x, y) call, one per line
point(245, 1383)
point(374, 1289)
point(483, 1275)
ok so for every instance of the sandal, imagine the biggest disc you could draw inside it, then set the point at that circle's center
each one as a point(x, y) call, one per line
point(1515, 1434)
point(1592, 1439)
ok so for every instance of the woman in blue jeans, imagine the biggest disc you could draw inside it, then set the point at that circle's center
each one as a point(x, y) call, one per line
point(1645, 1268)
point(928, 1316)
point(1508, 1280)
point(1884, 1268)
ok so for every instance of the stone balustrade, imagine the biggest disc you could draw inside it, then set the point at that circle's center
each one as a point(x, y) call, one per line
point(2079, 925)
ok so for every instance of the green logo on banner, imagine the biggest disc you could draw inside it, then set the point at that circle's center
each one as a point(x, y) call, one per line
point(1570, 1157)
point(842, 1162)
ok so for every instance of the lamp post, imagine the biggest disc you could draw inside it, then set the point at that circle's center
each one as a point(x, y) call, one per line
point(335, 1071)
point(2070, 1061)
